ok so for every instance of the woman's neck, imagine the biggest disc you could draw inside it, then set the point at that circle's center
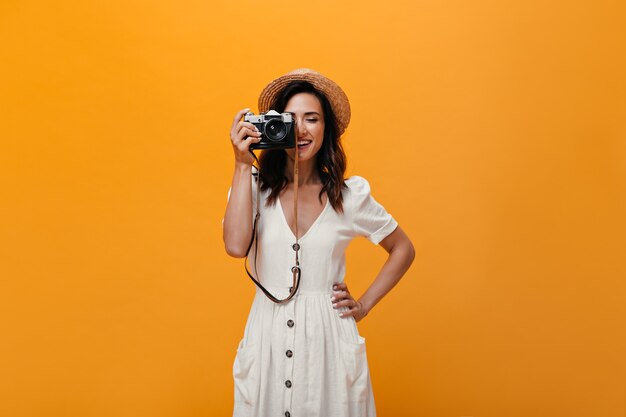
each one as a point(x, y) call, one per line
point(307, 172)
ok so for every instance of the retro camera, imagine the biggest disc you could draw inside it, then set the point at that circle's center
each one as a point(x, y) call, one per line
point(277, 130)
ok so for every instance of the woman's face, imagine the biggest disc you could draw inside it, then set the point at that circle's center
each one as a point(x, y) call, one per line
point(309, 118)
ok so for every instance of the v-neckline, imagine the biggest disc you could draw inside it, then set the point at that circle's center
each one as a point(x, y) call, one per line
point(317, 220)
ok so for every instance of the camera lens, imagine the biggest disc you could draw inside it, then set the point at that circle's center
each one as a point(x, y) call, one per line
point(275, 130)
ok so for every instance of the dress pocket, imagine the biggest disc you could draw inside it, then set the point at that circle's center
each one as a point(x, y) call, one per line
point(356, 368)
point(245, 375)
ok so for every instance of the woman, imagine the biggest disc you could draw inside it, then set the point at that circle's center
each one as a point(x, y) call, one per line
point(305, 357)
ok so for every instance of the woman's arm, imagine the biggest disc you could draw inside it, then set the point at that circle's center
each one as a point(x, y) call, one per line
point(237, 228)
point(401, 256)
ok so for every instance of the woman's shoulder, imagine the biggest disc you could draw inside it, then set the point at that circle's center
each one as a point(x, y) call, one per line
point(357, 184)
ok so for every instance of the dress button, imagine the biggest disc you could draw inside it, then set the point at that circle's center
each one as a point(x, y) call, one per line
point(289, 354)
point(288, 383)
point(287, 414)
point(290, 323)
point(296, 246)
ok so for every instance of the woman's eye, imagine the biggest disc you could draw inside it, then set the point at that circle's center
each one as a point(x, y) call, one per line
point(311, 120)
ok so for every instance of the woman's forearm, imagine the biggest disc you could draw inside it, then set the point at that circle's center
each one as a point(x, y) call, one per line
point(237, 230)
point(400, 259)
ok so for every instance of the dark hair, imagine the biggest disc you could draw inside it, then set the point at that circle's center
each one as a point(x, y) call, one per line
point(331, 159)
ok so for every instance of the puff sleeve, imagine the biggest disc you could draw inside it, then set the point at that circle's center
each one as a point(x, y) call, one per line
point(369, 217)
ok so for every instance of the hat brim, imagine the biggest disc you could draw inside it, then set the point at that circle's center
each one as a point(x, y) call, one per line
point(337, 97)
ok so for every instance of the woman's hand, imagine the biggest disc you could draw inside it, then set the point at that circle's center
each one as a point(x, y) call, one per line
point(342, 297)
point(242, 134)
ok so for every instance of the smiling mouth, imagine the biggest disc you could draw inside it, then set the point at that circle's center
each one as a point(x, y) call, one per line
point(303, 143)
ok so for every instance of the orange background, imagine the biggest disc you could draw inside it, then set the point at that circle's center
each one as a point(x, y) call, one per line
point(493, 131)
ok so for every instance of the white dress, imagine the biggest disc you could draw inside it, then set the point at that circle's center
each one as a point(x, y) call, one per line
point(300, 359)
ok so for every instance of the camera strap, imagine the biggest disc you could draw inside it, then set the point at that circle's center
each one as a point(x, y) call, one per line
point(295, 270)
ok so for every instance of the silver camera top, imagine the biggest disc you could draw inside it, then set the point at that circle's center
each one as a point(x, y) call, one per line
point(270, 114)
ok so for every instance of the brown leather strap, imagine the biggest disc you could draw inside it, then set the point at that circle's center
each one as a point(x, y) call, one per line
point(295, 270)
point(295, 202)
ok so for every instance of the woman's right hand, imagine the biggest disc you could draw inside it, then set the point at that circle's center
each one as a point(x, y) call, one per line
point(242, 135)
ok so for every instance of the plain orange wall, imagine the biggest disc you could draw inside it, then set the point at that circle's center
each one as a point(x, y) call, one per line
point(493, 131)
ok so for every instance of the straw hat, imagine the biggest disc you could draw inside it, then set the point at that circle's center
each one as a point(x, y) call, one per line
point(338, 99)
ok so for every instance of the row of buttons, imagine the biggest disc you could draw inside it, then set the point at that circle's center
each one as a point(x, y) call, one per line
point(290, 323)
point(289, 353)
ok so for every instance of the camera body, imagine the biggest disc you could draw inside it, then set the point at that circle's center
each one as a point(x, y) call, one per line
point(277, 130)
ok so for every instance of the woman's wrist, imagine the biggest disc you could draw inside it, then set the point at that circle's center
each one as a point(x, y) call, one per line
point(365, 307)
point(243, 166)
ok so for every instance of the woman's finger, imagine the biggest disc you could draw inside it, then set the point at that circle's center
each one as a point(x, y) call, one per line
point(246, 132)
point(356, 311)
point(345, 303)
point(340, 286)
point(339, 295)
point(241, 124)
point(246, 142)
point(351, 312)
point(347, 313)
point(239, 115)
point(236, 120)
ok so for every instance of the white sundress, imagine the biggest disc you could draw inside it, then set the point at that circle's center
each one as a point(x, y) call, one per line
point(300, 359)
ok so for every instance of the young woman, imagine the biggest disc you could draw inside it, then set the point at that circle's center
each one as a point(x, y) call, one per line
point(305, 357)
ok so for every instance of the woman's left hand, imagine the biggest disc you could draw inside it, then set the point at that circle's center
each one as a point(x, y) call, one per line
point(342, 298)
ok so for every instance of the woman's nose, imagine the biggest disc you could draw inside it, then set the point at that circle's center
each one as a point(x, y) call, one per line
point(301, 127)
